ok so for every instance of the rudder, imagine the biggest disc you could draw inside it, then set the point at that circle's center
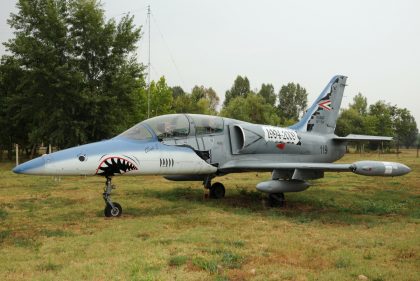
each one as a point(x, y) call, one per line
point(322, 116)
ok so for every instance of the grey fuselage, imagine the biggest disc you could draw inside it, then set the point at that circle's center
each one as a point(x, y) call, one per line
point(245, 141)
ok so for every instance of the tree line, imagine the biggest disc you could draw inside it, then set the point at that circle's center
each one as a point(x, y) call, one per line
point(380, 118)
point(71, 77)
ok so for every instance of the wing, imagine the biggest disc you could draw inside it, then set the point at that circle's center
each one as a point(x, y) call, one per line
point(259, 165)
point(353, 137)
point(366, 168)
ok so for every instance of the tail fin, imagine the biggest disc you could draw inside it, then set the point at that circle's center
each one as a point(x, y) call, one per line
point(321, 117)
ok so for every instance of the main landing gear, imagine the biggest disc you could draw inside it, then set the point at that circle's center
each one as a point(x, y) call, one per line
point(276, 199)
point(217, 190)
point(112, 209)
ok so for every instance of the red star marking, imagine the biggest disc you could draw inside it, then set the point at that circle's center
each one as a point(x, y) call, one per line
point(281, 145)
point(325, 105)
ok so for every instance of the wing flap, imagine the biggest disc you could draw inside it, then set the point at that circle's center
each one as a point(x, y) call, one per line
point(256, 165)
point(353, 137)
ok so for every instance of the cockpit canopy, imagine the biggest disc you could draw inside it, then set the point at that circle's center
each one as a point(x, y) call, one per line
point(175, 126)
point(169, 126)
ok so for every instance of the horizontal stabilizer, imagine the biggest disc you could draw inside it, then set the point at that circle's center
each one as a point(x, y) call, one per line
point(353, 137)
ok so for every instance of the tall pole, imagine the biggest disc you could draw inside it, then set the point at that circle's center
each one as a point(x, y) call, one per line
point(17, 154)
point(148, 66)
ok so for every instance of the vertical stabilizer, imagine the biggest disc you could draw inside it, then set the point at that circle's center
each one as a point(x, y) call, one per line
point(321, 117)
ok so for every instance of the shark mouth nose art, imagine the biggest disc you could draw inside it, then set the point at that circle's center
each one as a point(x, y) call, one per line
point(115, 165)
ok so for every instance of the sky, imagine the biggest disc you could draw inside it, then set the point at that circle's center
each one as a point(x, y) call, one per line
point(375, 43)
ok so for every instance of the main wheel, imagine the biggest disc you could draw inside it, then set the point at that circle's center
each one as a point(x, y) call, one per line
point(113, 212)
point(276, 199)
point(217, 190)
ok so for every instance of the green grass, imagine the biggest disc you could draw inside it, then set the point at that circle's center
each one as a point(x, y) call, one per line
point(343, 226)
point(178, 260)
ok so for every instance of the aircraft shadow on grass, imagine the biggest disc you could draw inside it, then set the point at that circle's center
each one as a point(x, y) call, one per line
point(317, 206)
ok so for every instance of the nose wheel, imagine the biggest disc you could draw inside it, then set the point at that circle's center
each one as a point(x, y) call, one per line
point(216, 190)
point(112, 209)
point(115, 211)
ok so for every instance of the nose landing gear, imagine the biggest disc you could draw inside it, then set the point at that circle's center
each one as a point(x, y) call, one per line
point(112, 209)
point(217, 190)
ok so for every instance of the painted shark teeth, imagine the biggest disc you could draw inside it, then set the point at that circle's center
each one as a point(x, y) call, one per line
point(115, 165)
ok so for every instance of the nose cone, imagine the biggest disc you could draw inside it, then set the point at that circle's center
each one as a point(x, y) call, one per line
point(32, 167)
point(405, 169)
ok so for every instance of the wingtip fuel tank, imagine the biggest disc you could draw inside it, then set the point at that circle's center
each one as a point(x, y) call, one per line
point(379, 168)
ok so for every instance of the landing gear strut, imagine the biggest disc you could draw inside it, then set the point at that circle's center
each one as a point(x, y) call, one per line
point(217, 190)
point(276, 199)
point(112, 209)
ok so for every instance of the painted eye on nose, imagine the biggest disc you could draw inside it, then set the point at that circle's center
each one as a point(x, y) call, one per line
point(82, 157)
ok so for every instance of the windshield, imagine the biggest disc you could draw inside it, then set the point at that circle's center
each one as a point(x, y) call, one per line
point(169, 126)
point(205, 124)
point(137, 132)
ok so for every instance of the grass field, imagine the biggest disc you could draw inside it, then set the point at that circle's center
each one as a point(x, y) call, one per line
point(342, 227)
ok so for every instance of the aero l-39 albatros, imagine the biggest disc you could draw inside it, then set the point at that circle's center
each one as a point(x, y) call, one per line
point(190, 147)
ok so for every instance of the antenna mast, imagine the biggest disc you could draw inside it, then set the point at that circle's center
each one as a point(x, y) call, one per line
point(148, 66)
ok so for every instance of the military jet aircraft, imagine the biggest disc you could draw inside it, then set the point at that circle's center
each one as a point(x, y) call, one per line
point(191, 147)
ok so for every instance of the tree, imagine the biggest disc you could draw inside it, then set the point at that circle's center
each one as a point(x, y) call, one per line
point(349, 122)
point(79, 79)
point(202, 100)
point(293, 100)
point(12, 129)
point(213, 99)
point(355, 119)
point(181, 100)
point(177, 91)
point(267, 92)
point(251, 108)
point(418, 144)
point(240, 88)
point(405, 127)
point(182, 104)
point(160, 97)
point(200, 92)
point(384, 118)
point(359, 104)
